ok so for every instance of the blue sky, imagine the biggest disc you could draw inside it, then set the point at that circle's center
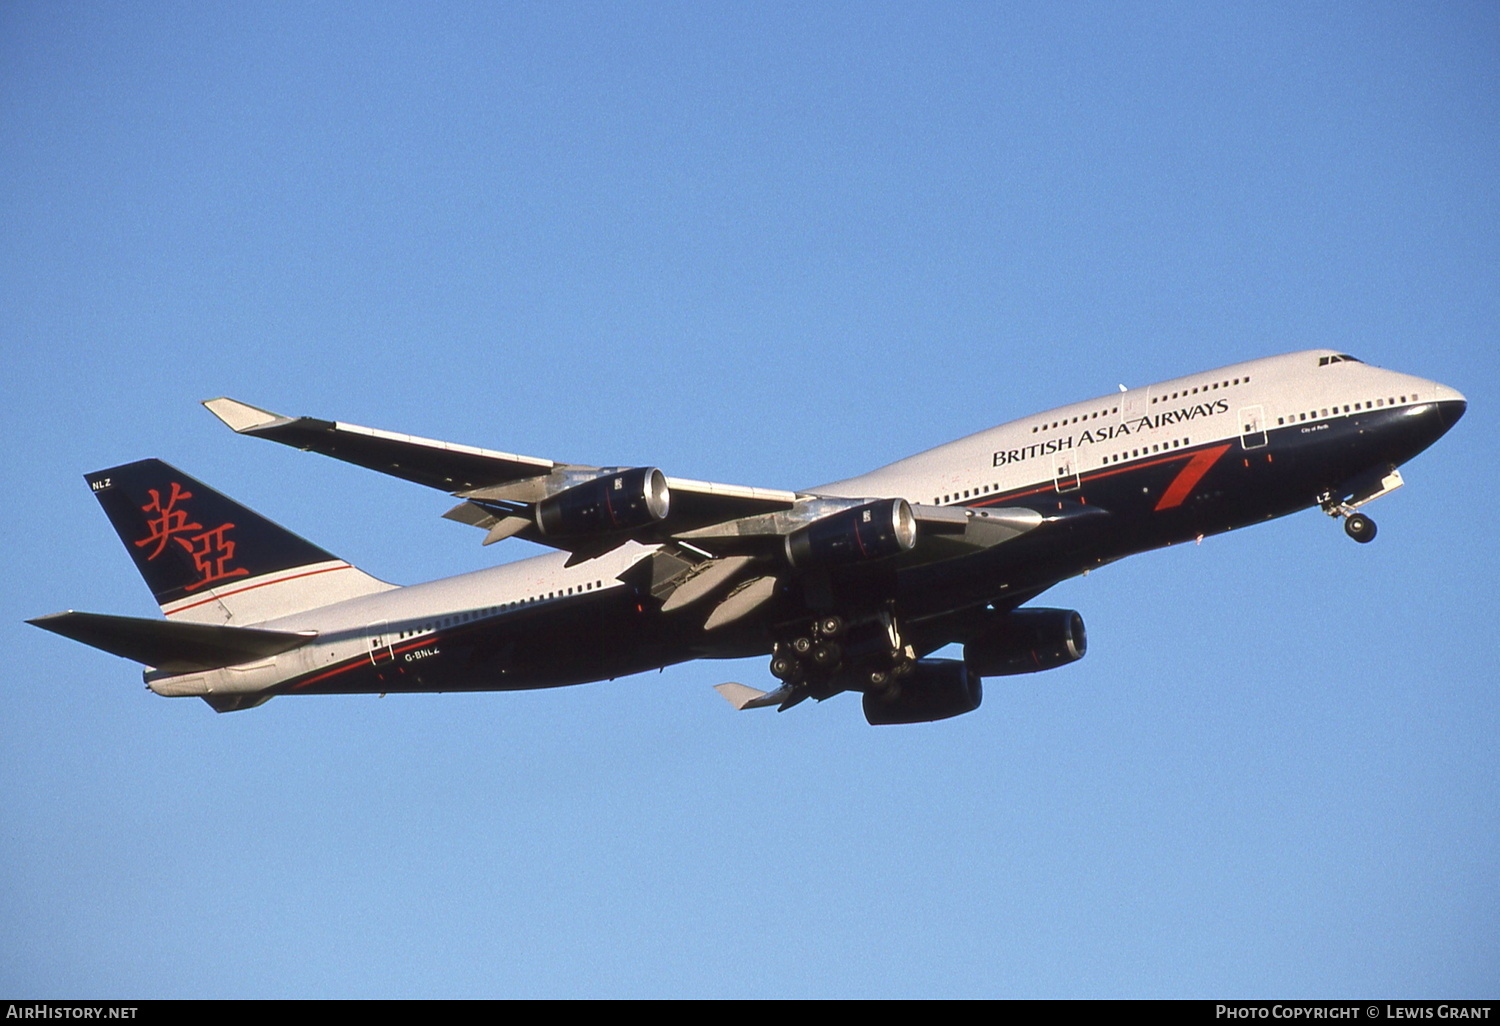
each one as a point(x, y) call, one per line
point(775, 245)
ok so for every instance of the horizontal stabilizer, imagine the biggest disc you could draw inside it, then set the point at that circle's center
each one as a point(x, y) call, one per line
point(742, 696)
point(173, 647)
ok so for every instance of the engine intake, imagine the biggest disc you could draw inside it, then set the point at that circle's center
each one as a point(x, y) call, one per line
point(875, 530)
point(1028, 641)
point(936, 689)
point(621, 501)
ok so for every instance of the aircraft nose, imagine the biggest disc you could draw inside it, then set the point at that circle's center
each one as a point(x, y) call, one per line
point(1423, 423)
point(1451, 405)
point(1451, 410)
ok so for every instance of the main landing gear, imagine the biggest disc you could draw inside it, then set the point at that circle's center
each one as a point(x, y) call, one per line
point(1356, 525)
point(830, 655)
point(812, 652)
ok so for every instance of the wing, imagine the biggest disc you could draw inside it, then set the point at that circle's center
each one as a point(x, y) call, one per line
point(500, 488)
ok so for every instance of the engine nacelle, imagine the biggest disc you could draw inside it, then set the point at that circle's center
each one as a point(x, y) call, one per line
point(935, 689)
point(622, 501)
point(1028, 641)
point(872, 531)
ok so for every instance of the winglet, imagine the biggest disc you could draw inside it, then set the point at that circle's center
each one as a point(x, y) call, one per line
point(241, 417)
point(742, 696)
point(739, 695)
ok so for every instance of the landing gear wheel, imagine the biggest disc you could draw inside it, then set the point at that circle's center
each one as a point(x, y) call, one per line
point(826, 655)
point(1359, 527)
point(786, 668)
point(802, 646)
point(831, 626)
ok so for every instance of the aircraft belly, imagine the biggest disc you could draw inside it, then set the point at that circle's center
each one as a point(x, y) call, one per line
point(549, 645)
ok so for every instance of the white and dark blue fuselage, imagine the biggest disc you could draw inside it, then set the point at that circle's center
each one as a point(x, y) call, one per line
point(1121, 474)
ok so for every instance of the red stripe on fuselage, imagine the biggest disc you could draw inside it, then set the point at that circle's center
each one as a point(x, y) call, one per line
point(363, 658)
point(1084, 479)
point(1188, 477)
point(257, 584)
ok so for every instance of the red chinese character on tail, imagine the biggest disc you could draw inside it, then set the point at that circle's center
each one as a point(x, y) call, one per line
point(211, 555)
point(211, 550)
point(169, 521)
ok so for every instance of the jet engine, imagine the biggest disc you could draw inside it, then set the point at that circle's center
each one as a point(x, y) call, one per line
point(622, 501)
point(935, 689)
point(872, 531)
point(1027, 641)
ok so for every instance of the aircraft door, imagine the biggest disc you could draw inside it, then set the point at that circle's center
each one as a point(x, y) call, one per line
point(1252, 427)
point(378, 640)
point(1066, 479)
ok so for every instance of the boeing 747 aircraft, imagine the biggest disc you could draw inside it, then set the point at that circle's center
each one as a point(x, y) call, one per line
point(849, 586)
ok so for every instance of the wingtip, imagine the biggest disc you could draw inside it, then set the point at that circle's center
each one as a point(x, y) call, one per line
point(241, 417)
point(738, 695)
point(49, 620)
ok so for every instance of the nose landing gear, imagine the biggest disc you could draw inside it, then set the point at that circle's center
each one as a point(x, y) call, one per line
point(1356, 525)
point(1359, 527)
point(1361, 491)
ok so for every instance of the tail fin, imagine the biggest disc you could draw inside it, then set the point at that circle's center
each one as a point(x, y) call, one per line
point(207, 559)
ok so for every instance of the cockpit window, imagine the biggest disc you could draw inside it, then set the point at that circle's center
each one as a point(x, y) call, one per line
point(1324, 361)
